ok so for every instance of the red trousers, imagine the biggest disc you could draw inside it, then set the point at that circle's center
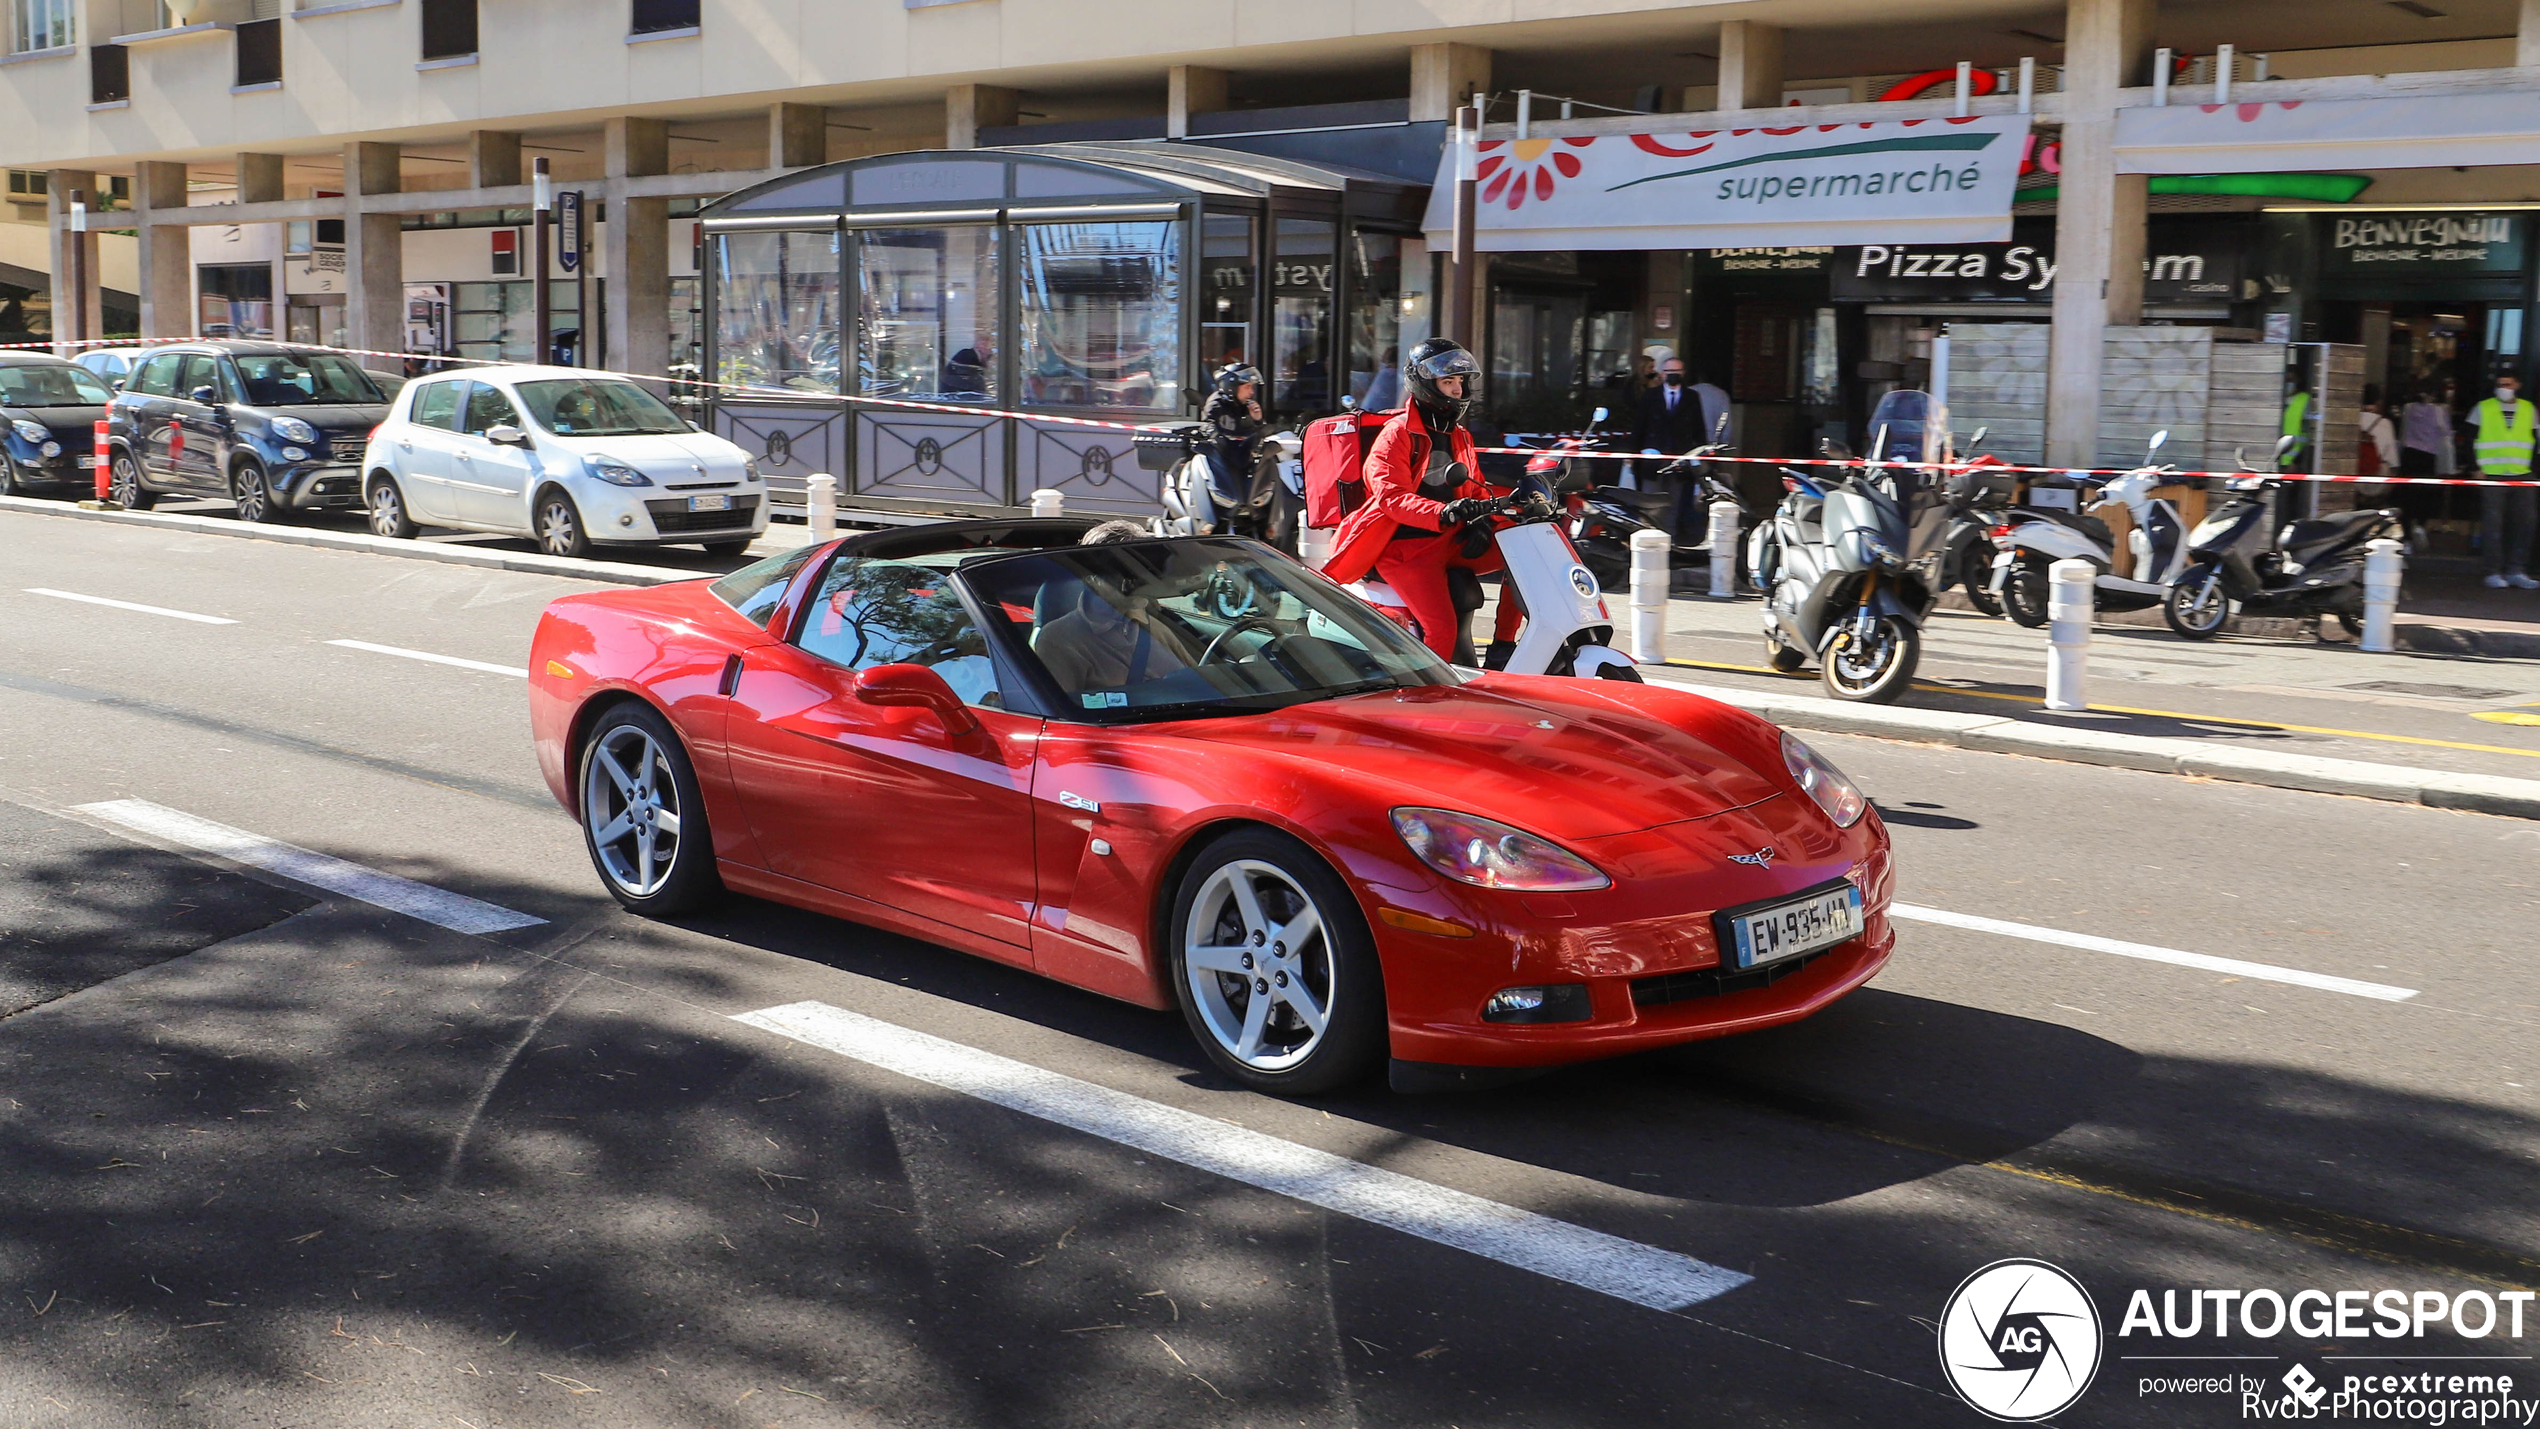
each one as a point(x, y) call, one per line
point(1416, 569)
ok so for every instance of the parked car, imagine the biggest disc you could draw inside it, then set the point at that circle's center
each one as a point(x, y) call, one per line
point(51, 407)
point(273, 428)
point(570, 458)
point(114, 364)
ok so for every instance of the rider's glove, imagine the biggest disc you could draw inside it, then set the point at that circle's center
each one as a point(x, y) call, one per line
point(1463, 509)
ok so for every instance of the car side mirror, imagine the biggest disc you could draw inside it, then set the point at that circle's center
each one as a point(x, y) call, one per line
point(916, 685)
point(204, 395)
point(504, 434)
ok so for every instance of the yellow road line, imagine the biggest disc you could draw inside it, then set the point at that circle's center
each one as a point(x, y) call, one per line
point(2260, 725)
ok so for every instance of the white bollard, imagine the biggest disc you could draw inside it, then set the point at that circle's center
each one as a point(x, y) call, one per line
point(2382, 565)
point(820, 505)
point(1314, 547)
point(1649, 596)
point(1049, 501)
point(1724, 519)
point(2068, 599)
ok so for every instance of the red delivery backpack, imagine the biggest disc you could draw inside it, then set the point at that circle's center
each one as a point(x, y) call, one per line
point(1336, 465)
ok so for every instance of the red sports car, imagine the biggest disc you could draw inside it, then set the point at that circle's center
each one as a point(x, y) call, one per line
point(1191, 773)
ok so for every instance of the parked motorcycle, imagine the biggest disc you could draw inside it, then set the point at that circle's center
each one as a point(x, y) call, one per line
point(2037, 537)
point(1275, 497)
point(1966, 547)
point(1850, 563)
point(2309, 568)
point(1603, 517)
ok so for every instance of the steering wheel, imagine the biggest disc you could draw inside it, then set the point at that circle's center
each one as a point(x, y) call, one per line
point(1241, 625)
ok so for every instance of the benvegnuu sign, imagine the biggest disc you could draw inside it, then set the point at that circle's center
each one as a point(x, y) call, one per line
point(1889, 181)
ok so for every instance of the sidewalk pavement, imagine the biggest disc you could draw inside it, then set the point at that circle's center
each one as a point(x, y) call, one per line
point(2464, 713)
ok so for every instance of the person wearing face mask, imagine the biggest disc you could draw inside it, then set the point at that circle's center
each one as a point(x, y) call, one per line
point(2507, 514)
point(1675, 417)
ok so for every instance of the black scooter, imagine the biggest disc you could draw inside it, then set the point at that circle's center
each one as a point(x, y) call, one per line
point(2306, 568)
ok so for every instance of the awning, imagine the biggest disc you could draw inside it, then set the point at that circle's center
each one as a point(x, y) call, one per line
point(2293, 135)
point(1887, 181)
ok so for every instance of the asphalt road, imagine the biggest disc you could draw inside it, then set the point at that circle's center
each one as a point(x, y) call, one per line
point(291, 1158)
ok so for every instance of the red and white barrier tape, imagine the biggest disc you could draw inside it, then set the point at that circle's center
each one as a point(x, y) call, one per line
point(1663, 458)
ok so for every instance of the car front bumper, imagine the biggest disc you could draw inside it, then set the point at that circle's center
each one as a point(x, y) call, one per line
point(647, 516)
point(319, 486)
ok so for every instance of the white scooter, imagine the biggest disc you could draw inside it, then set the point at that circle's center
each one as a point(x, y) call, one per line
point(1192, 506)
point(2034, 538)
point(1568, 629)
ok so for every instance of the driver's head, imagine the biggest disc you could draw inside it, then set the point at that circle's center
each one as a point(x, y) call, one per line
point(1112, 533)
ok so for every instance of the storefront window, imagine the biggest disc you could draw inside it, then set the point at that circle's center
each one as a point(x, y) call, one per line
point(1226, 287)
point(494, 320)
point(1375, 311)
point(1100, 314)
point(776, 300)
point(929, 300)
point(237, 299)
point(1301, 314)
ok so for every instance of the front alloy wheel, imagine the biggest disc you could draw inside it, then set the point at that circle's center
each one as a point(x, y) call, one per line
point(1276, 973)
point(560, 530)
point(643, 819)
point(123, 484)
point(257, 505)
point(1876, 668)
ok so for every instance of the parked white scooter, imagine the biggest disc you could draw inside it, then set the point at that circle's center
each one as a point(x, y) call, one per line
point(1192, 506)
point(1568, 630)
point(2034, 538)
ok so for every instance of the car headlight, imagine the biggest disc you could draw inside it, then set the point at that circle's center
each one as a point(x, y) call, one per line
point(615, 473)
point(1820, 780)
point(292, 429)
point(30, 431)
point(1492, 855)
point(749, 470)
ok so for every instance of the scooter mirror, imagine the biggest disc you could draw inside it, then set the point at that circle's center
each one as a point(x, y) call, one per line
point(2285, 445)
point(1349, 404)
point(1829, 447)
point(1977, 439)
point(1194, 396)
point(1720, 428)
point(2158, 438)
point(1457, 473)
point(1599, 419)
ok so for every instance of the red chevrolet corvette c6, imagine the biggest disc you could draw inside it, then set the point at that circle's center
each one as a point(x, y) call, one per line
point(1191, 773)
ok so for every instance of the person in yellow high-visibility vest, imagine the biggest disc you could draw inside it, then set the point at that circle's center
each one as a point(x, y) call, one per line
point(2507, 432)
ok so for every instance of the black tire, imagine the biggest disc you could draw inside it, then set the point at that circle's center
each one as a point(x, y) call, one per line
point(388, 514)
point(1628, 674)
point(123, 484)
point(1289, 1059)
point(2024, 595)
point(254, 497)
point(629, 751)
point(2352, 622)
point(1784, 658)
point(1887, 671)
point(729, 548)
point(9, 483)
point(1980, 595)
point(557, 525)
point(2196, 607)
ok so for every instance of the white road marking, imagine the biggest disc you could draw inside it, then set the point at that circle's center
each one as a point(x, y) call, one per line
point(454, 911)
point(435, 659)
point(2264, 972)
point(129, 605)
point(1627, 1270)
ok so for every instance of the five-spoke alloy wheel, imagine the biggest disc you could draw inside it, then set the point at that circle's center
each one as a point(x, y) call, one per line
point(1276, 972)
point(642, 816)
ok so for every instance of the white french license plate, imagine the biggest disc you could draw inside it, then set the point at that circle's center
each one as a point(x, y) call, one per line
point(88, 462)
point(1801, 925)
point(718, 502)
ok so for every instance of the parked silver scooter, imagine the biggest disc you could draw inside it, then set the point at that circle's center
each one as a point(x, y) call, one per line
point(1850, 564)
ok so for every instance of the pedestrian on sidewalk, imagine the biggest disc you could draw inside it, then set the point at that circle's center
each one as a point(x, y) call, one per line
point(2377, 454)
point(2506, 436)
point(2425, 432)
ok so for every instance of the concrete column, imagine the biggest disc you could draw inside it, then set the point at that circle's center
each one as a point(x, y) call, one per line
point(1197, 89)
point(1445, 77)
point(259, 178)
point(167, 252)
point(2527, 35)
point(969, 108)
point(1750, 65)
point(58, 205)
point(797, 136)
point(493, 158)
point(2099, 220)
point(635, 242)
point(374, 252)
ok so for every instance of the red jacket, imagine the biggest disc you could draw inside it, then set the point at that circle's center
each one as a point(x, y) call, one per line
point(1395, 465)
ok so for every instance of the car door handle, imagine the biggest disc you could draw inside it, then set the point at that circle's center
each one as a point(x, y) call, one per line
point(405, 446)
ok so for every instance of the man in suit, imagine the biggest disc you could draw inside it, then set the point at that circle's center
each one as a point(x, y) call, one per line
point(1675, 417)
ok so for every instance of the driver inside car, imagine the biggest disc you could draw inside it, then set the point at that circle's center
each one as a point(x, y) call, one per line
point(1105, 644)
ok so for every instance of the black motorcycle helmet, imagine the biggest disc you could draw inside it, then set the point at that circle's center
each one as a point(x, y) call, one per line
point(1431, 361)
point(1231, 380)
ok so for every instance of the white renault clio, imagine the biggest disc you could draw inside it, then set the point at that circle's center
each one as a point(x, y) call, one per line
point(571, 458)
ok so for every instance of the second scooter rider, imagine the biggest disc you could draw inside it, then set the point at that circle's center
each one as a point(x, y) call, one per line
point(1427, 510)
point(1233, 419)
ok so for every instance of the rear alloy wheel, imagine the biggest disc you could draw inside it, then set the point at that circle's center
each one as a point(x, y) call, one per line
point(643, 820)
point(2198, 605)
point(559, 526)
point(254, 496)
point(1275, 970)
point(388, 515)
point(123, 484)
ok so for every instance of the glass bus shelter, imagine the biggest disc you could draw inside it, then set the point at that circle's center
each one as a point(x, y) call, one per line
point(1103, 281)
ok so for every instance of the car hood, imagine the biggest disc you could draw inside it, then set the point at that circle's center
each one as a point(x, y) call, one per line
point(69, 425)
point(650, 455)
point(1557, 757)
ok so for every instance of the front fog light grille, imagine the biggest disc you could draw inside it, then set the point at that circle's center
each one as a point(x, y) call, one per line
point(1560, 1002)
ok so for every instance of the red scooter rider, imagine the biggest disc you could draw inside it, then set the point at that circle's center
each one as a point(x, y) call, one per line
point(1426, 511)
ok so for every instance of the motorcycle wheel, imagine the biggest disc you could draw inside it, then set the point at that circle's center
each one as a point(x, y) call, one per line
point(2197, 606)
point(2353, 623)
point(1981, 596)
point(2024, 596)
point(1878, 672)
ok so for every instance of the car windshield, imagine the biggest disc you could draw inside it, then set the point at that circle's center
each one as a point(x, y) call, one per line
point(574, 407)
point(303, 379)
point(45, 386)
point(1189, 628)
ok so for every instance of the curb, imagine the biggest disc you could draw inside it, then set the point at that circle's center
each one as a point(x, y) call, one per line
point(611, 572)
point(2398, 784)
point(2415, 635)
